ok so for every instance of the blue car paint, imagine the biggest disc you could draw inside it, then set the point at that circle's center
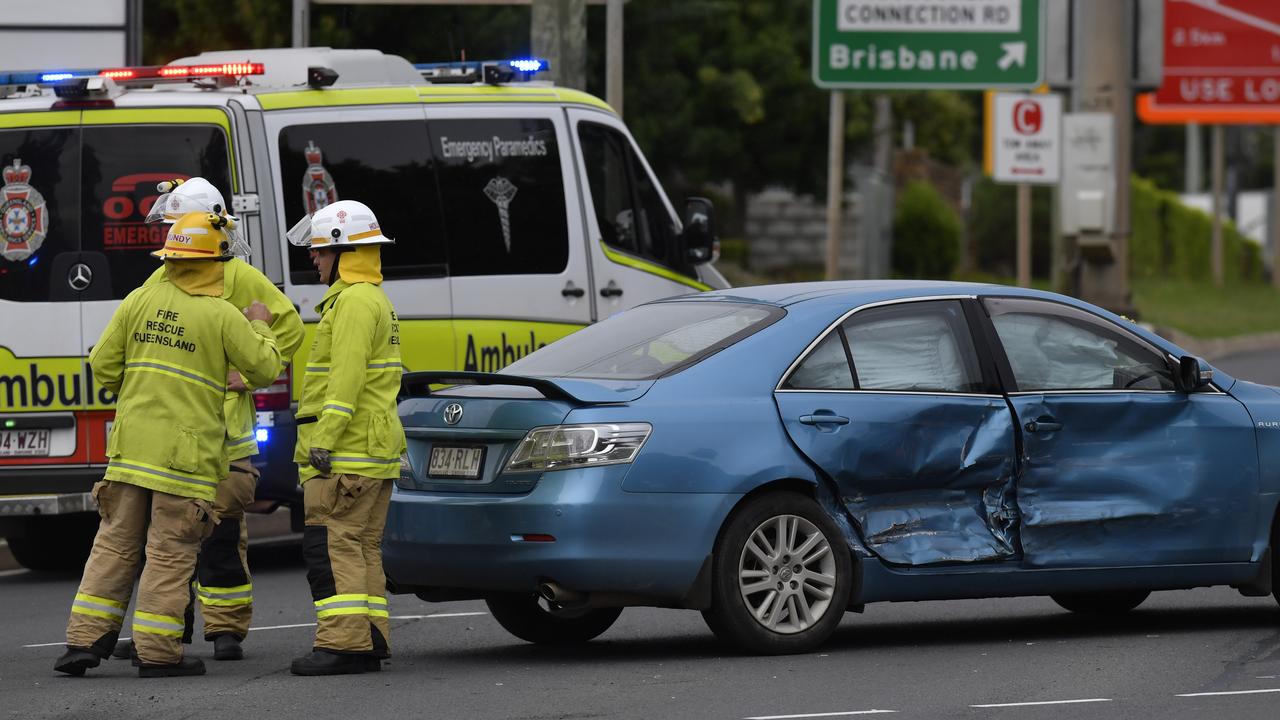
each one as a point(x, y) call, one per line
point(607, 543)
point(928, 478)
point(1137, 479)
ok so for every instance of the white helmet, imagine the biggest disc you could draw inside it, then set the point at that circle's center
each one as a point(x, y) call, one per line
point(345, 223)
point(196, 195)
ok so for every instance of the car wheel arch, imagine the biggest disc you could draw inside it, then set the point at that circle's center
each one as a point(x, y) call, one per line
point(809, 488)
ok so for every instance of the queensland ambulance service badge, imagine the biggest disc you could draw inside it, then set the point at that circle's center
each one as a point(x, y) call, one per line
point(318, 189)
point(24, 221)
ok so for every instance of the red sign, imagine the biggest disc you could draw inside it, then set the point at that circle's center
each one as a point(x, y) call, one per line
point(1027, 117)
point(1221, 63)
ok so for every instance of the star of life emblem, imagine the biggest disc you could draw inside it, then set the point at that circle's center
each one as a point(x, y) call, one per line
point(502, 191)
point(24, 220)
point(318, 189)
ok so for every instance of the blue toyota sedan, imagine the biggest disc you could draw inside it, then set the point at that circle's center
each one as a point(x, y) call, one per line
point(776, 456)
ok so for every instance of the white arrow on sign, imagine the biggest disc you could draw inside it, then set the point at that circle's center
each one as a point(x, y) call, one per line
point(1015, 53)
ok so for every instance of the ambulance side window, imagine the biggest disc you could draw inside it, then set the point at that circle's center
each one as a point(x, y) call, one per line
point(629, 211)
point(384, 164)
point(503, 195)
point(121, 166)
point(39, 210)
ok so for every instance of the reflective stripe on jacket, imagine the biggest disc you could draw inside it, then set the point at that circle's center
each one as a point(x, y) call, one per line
point(242, 283)
point(350, 384)
point(166, 353)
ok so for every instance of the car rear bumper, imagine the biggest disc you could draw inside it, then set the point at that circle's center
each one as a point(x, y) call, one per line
point(643, 545)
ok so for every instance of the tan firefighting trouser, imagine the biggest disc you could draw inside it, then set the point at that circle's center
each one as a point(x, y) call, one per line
point(342, 543)
point(222, 573)
point(172, 528)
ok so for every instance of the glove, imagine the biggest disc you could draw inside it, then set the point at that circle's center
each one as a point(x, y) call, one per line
point(319, 459)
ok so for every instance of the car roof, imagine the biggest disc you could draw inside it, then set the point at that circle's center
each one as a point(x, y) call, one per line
point(854, 292)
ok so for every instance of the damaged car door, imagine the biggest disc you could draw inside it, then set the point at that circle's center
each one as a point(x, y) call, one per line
point(895, 406)
point(1121, 467)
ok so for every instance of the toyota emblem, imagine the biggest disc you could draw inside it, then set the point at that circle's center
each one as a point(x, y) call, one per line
point(453, 413)
point(79, 277)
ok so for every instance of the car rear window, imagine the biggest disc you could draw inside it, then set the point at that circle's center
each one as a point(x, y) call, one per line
point(649, 341)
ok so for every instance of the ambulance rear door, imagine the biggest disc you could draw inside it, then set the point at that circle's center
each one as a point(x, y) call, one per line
point(42, 279)
point(124, 153)
point(512, 222)
point(634, 234)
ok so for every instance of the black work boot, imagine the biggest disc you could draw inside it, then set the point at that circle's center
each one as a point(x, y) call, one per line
point(227, 647)
point(323, 662)
point(183, 668)
point(76, 660)
point(124, 650)
point(372, 664)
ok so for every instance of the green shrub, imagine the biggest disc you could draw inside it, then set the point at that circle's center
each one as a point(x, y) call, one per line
point(1171, 240)
point(993, 221)
point(926, 233)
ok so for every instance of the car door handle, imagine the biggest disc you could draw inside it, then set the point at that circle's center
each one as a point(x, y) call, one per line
point(823, 419)
point(611, 291)
point(1042, 426)
point(571, 291)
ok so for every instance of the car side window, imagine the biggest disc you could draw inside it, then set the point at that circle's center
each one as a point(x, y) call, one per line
point(1051, 346)
point(629, 211)
point(826, 368)
point(916, 346)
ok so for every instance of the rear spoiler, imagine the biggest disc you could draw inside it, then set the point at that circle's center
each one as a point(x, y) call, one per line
point(418, 384)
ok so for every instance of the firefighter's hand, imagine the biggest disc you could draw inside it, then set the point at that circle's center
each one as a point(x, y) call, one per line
point(319, 459)
point(258, 311)
point(235, 383)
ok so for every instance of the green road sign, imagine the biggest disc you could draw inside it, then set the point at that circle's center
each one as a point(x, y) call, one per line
point(927, 43)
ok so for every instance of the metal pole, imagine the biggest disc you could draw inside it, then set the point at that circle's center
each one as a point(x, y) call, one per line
point(1024, 235)
point(301, 23)
point(1194, 165)
point(613, 55)
point(1275, 206)
point(1215, 243)
point(835, 184)
point(133, 33)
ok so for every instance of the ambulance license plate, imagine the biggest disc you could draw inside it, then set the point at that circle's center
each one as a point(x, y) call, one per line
point(455, 462)
point(24, 443)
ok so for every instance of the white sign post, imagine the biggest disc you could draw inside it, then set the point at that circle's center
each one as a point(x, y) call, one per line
point(1028, 150)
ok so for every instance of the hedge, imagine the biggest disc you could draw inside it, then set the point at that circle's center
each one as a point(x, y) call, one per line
point(1171, 240)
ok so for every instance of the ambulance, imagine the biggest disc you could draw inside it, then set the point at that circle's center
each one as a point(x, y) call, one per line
point(521, 212)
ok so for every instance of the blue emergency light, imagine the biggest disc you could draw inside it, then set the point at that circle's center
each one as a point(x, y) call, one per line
point(262, 435)
point(487, 71)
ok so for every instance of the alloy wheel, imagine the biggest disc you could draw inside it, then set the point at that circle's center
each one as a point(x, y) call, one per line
point(787, 574)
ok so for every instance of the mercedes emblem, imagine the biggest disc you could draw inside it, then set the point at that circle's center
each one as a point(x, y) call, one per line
point(453, 413)
point(79, 277)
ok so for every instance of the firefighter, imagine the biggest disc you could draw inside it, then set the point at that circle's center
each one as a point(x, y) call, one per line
point(166, 354)
point(223, 583)
point(349, 440)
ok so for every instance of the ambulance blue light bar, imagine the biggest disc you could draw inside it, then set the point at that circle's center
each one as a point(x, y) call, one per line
point(488, 71)
point(42, 77)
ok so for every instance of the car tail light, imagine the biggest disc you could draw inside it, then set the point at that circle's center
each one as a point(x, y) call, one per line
point(562, 447)
point(277, 395)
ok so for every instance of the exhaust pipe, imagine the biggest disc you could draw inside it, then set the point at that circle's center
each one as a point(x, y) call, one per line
point(556, 594)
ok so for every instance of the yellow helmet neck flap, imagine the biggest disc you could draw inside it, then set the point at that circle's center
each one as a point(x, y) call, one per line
point(361, 264)
point(196, 278)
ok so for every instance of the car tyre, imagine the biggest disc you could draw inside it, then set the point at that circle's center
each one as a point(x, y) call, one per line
point(56, 544)
point(754, 576)
point(530, 618)
point(1107, 603)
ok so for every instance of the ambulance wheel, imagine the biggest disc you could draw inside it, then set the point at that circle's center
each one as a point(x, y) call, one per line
point(531, 619)
point(59, 543)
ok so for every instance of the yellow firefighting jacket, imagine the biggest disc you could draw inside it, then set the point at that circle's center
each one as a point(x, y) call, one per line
point(242, 283)
point(350, 385)
point(166, 354)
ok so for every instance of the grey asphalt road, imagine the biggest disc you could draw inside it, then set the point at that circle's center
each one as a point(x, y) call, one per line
point(1190, 654)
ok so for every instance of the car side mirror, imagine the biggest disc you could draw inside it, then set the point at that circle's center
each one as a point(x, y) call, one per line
point(699, 234)
point(1193, 373)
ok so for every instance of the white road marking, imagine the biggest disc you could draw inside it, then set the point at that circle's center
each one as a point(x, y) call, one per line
point(821, 715)
point(1042, 702)
point(19, 571)
point(311, 624)
point(1231, 692)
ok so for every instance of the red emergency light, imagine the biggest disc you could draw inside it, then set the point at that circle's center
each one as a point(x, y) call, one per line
point(183, 72)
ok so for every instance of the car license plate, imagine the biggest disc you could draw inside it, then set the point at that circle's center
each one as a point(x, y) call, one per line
point(24, 443)
point(455, 462)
